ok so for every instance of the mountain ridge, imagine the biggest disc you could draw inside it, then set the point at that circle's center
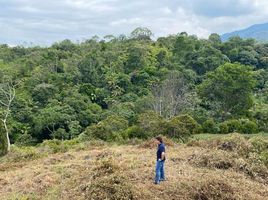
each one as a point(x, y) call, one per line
point(256, 31)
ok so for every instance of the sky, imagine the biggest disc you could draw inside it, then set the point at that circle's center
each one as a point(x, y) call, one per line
point(43, 22)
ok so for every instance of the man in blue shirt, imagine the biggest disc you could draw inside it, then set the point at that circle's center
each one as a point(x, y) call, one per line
point(159, 170)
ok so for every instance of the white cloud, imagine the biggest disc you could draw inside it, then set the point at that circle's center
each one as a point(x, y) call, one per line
point(45, 22)
point(135, 21)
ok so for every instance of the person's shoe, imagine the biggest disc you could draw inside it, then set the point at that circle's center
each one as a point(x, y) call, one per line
point(162, 179)
point(156, 182)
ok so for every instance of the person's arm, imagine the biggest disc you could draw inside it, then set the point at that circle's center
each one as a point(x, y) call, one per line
point(163, 155)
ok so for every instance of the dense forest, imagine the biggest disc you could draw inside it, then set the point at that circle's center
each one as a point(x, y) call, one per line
point(118, 88)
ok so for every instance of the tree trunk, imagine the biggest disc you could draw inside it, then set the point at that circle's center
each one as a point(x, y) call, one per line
point(7, 136)
point(8, 91)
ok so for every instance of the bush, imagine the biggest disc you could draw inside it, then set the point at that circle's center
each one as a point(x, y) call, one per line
point(55, 146)
point(234, 125)
point(25, 140)
point(3, 141)
point(209, 126)
point(259, 144)
point(248, 127)
point(242, 125)
point(108, 129)
point(264, 157)
point(18, 154)
point(150, 124)
point(182, 127)
point(135, 132)
point(223, 128)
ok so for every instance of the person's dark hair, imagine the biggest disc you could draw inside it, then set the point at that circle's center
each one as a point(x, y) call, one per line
point(159, 139)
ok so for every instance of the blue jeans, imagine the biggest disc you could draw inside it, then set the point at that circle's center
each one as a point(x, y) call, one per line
point(159, 171)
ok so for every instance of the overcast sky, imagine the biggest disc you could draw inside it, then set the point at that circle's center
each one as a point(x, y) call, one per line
point(43, 22)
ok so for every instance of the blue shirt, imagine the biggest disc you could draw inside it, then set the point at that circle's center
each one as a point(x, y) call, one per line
point(161, 148)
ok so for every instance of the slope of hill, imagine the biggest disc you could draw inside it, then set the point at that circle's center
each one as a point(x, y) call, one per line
point(257, 31)
point(200, 170)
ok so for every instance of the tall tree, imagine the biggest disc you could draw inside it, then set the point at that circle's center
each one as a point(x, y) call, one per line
point(141, 33)
point(230, 88)
point(7, 95)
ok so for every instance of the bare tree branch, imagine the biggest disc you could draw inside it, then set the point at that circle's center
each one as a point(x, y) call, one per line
point(171, 96)
point(7, 90)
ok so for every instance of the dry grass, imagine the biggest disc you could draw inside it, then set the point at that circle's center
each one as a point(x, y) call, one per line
point(126, 172)
point(151, 143)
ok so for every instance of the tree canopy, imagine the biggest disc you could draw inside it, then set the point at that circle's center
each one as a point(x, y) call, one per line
point(64, 89)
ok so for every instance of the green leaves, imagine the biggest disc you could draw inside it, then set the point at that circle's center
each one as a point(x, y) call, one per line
point(64, 88)
point(231, 87)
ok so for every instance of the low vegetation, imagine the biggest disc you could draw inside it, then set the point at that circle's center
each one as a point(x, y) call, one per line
point(230, 167)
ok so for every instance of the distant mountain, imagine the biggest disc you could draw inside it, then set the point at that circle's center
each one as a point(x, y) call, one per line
point(257, 31)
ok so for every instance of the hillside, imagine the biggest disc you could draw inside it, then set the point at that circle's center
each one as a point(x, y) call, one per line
point(213, 169)
point(120, 85)
point(257, 31)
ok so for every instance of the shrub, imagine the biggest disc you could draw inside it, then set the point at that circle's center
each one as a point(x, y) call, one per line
point(60, 134)
point(25, 140)
point(182, 127)
point(3, 141)
point(209, 126)
point(259, 144)
point(223, 128)
point(54, 146)
point(233, 125)
point(242, 125)
point(264, 157)
point(108, 128)
point(135, 132)
point(18, 154)
point(248, 127)
point(150, 124)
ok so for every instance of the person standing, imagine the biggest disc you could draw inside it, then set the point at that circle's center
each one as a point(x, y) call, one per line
point(161, 157)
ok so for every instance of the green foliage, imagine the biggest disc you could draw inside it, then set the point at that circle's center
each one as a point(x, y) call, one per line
point(65, 88)
point(25, 140)
point(55, 145)
point(234, 125)
point(229, 89)
point(150, 124)
point(182, 127)
point(248, 127)
point(264, 157)
point(260, 113)
point(141, 33)
point(209, 126)
point(19, 154)
point(53, 117)
point(206, 59)
point(260, 147)
point(259, 144)
point(135, 132)
point(242, 126)
point(224, 128)
point(108, 129)
point(3, 141)
point(43, 92)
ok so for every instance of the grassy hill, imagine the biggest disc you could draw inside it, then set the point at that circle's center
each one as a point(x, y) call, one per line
point(221, 168)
